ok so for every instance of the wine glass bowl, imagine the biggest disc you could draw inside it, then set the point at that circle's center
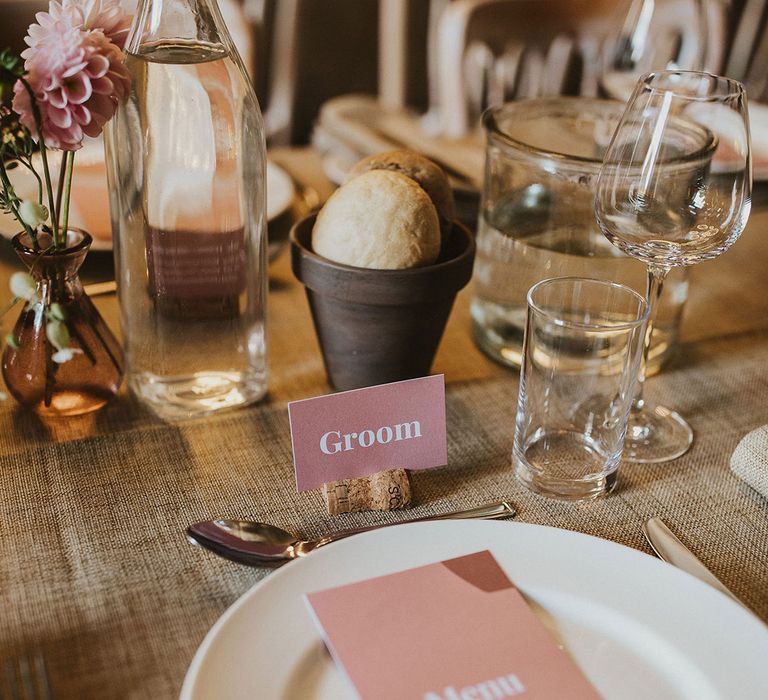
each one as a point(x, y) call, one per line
point(680, 195)
point(674, 190)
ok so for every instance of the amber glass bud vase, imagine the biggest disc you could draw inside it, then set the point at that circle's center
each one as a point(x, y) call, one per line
point(92, 377)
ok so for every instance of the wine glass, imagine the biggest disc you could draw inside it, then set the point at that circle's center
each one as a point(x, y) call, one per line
point(674, 190)
point(654, 35)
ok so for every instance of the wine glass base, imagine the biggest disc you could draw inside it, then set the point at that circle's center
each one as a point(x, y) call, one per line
point(656, 434)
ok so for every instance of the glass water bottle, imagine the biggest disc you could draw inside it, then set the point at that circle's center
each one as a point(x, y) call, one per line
point(187, 158)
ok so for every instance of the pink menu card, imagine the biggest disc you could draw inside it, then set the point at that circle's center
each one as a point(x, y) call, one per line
point(454, 630)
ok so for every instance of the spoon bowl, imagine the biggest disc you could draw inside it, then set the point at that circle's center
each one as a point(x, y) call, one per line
point(263, 544)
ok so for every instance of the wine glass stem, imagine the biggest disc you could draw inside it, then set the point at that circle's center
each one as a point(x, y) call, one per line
point(656, 277)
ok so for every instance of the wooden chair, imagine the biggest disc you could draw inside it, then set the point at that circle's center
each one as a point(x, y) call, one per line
point(492, 50)
point(489, 51)
point(748, 55)
point(317, 50)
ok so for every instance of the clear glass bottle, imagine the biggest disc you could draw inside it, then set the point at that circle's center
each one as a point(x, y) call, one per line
point(187, 158)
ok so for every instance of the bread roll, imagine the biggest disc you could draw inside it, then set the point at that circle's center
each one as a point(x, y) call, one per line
point(381, 220)
point(415, 166)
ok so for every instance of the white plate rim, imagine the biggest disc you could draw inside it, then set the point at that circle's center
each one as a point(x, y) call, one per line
point(280, 195)
point(684, 586)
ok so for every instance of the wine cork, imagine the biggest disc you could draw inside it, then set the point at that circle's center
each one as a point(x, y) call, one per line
point(388, 490)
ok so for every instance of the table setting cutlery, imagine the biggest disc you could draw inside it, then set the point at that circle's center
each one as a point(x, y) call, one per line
point(263, 544)
point(670, 549)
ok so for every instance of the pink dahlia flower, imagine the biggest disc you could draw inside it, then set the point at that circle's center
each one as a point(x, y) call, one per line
point(106, 15)
point(76, 73)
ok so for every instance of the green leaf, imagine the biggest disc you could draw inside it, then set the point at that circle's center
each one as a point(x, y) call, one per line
point(58, 334)
point(56, 312)
point(13, 341)
point(11, 62)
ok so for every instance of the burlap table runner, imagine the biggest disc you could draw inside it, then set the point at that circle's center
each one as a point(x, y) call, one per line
point(94, 568)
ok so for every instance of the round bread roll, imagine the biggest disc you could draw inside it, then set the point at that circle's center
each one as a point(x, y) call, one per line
point(415, 166)
point(381, 220)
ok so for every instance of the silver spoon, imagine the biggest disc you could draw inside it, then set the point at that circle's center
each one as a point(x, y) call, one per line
point(262, 544)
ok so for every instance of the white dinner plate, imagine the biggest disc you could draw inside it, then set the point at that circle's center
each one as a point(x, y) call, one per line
point(637, 627)
point(89, 207)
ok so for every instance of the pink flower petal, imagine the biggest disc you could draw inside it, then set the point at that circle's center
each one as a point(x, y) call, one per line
point(93, 129)
point(103, 86)
point(75, 68)
point(98, 66)
point(77, 89)
point(81, 114)
point(62, 118)
point(56, 98)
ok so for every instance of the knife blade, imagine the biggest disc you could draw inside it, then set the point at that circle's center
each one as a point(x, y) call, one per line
point(671, 550)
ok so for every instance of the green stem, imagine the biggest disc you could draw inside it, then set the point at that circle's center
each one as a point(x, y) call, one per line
point(7, 189)
point(9, 306)
point(28, 165)
point(62, 176)
point(49, 189)
point(69, 157)
point(44, 155)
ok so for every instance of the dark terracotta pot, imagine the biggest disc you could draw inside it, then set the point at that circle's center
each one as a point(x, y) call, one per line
point(378, 326)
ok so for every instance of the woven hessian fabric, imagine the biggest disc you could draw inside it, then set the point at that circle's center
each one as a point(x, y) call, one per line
point(96, 573)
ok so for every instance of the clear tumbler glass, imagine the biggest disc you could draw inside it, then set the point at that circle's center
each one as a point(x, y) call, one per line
point(187, 164)
point(581, 354)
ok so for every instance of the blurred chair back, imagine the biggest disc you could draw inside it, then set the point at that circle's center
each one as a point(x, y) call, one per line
point(317, 50)
point(299, 52)
point(489, 51)
point(748, 56)
point(663, 35)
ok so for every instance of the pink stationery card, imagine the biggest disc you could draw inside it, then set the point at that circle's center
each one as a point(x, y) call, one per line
point(363, 431)
point(454, 630)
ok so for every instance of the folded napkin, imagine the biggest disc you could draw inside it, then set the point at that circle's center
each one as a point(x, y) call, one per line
point(351, 127)
point(750, 460)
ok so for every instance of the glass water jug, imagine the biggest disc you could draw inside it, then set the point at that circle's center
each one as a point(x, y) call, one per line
point(537, 220)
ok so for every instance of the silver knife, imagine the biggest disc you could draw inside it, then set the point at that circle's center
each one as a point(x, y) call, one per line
point(671, 550)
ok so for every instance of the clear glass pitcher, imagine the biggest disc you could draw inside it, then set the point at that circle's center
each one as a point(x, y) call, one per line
point(187, 163)
point(537, 220)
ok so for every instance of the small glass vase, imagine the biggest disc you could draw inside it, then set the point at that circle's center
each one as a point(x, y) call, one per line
point(87, 381)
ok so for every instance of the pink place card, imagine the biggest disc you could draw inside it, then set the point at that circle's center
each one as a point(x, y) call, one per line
point(363, 431)
point(454, 630)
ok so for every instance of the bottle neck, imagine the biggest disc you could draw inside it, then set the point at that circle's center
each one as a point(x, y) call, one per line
point(185, 21)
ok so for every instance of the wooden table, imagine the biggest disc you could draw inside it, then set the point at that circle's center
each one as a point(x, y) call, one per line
point(95, 571)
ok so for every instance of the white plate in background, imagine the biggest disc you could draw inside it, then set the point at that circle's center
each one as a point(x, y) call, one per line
point(89, 204)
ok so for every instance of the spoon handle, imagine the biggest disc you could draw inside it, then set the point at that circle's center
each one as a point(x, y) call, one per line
point(490, 511)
